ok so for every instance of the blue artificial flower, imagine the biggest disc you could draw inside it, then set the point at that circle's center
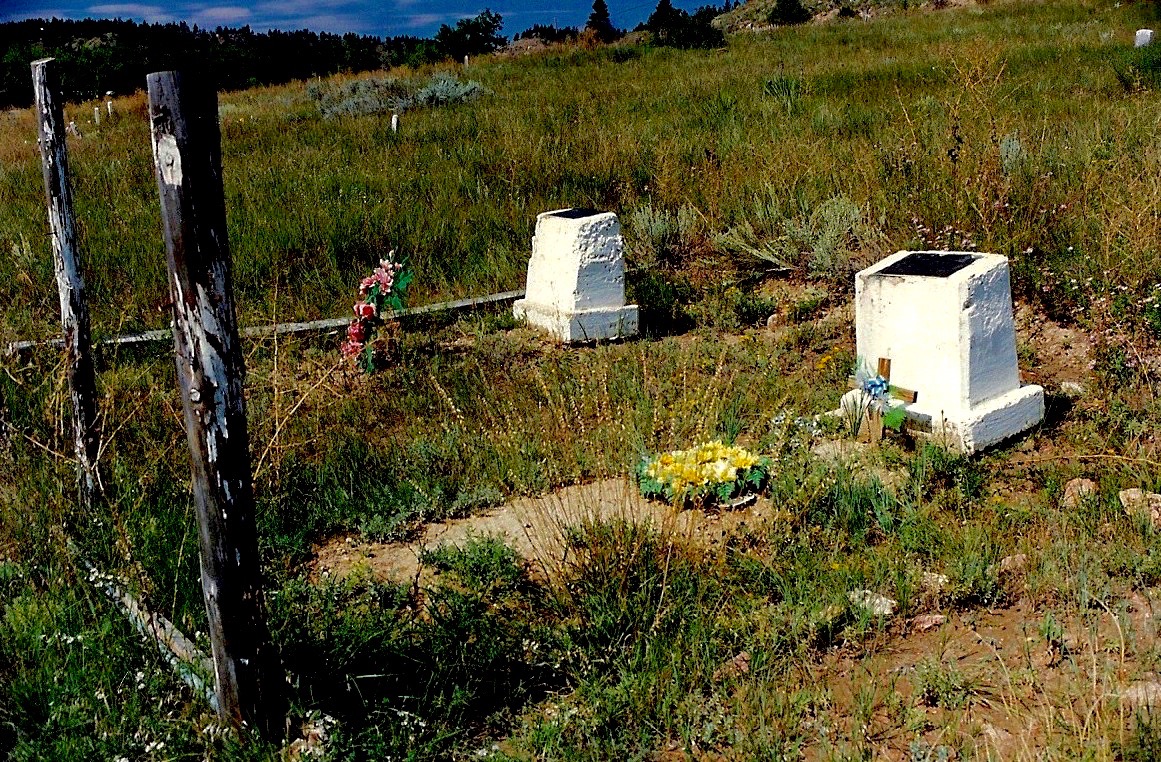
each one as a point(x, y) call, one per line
point(876, 386)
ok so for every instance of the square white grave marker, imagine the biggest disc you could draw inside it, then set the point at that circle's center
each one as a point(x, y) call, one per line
point(944, 320)
point(576, 277)
point(1144, 37)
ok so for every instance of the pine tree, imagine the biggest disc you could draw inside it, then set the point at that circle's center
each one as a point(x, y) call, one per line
point(789, 13)
point(600, 23)
point(665, 23)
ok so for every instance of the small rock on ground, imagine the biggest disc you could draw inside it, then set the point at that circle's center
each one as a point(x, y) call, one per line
point(1076, 491)
point(934, 583)
point(315, 740)
point(1141, 605)
point(1139, 501)
point(1142, 694)
point(1014, 564)
point(1072, 388)
point(996, 735)
point(878, 605)
point(739, 665)
point(925, 622)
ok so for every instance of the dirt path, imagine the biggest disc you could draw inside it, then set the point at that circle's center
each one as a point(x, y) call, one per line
point(537, 528)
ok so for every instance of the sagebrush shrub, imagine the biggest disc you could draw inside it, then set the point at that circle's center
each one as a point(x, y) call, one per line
point(444, 89)
point(660, 234)
point(378, 95)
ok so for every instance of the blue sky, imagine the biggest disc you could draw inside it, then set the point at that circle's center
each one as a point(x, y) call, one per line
point(379, 17)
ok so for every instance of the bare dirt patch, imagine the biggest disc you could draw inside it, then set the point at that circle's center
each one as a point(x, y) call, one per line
point(999, 681)
point(538, 529)
point(1058, 354)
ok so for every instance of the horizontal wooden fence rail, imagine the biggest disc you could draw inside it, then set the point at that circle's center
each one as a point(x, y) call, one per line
point(279, 329)
point(190, 662)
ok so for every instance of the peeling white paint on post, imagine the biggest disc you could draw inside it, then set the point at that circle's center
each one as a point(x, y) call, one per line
point(74, 315)
point(210, 373)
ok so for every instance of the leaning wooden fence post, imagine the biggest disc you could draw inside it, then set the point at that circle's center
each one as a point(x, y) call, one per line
point(74, 313)
point(183, 114)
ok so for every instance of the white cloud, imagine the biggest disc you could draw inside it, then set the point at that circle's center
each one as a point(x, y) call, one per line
point(220, 14)
point(295, 8)
point(153, 14)
point(129, 9)
point(429, 19)
point(338, 23)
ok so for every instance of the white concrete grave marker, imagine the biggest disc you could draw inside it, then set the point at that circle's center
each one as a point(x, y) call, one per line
point(1144, 37)
point(576, 277)
point(944, 321)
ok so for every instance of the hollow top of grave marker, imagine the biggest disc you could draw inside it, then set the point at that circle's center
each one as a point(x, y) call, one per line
point(930, 264)
point(574, 214)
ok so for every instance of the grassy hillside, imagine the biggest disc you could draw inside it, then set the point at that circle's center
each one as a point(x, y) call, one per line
point(1006, 124)
point(751, 180)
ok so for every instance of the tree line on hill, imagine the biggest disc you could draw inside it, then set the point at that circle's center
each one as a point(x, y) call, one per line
point(113, 55)
point(667, 26)
point(97, 56)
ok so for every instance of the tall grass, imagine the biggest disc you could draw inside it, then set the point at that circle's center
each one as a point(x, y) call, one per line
point(905, 117)
point(1001, 126)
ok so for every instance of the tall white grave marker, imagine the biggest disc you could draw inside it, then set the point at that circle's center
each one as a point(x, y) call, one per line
point(576, 277)
point(944, 321)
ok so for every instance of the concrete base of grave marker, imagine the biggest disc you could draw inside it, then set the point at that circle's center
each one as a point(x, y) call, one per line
point(576, 278)
point(944, 320)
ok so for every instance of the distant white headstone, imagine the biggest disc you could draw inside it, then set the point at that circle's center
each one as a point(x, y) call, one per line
point(109, 107)
point(96, 114)
point(1144, 37)
point(395, 122)
point(944, 320)
point(576, 277)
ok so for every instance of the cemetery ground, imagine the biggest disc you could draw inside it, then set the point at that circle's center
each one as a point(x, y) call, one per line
point(751, 182)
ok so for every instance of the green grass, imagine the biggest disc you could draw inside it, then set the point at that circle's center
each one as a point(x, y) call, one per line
point(904, 117)
point(815, 149)
point(618, 661)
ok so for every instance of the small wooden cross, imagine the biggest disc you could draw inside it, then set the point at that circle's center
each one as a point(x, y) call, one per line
point(872, 427)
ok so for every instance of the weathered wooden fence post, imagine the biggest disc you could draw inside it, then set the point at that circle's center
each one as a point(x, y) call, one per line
point(74, 313)
point(183, 116)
